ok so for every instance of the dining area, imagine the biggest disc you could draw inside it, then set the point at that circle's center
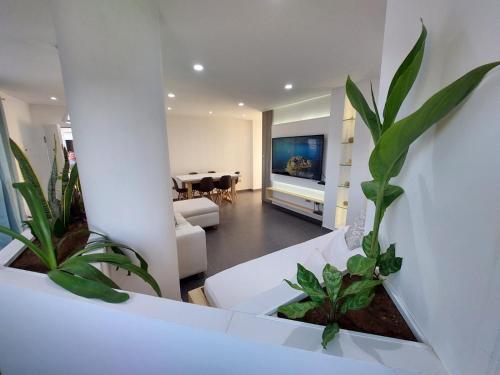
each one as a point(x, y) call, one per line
point(219, 187)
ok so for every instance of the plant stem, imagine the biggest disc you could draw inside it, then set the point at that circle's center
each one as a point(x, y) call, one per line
point(378, 217)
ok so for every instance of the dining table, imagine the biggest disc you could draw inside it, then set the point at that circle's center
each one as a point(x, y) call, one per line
point(187, 181)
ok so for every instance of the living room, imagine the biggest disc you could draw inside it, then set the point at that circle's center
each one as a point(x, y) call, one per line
point(259, 185)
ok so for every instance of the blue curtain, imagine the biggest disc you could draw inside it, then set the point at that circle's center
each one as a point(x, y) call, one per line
point(10, 213)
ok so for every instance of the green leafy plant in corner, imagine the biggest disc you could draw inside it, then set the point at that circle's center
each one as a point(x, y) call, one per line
point(77, 274)
point(334, 302)
point(392, 140)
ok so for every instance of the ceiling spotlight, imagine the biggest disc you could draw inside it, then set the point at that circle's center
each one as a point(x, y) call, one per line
point(288, 86)
point(241, 104)
point(171, 95)
point(210, 112)
point(198, 67)
point(53, 98)
point(169, 108)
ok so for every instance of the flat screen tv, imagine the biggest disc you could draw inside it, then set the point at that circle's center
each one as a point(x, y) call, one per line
point(298, 156)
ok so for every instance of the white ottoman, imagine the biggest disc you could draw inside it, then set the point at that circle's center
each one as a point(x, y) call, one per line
point(198, 211)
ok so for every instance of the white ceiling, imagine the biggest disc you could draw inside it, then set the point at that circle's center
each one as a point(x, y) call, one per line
point(250, 49)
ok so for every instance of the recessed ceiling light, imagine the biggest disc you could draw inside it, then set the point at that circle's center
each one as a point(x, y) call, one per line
point(210, 112)
point(288, 86)
point(241, 104)
point(53, 98)
point(171, 95)
point(169, 108)
point(244, 114)
point(198, 67)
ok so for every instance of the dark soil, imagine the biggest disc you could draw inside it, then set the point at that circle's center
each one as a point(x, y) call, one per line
point(30, 262)
point(380, 318)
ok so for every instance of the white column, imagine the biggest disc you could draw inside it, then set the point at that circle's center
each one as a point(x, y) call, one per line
point(110, 54)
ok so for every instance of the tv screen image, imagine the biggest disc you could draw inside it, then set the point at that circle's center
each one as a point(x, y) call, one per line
point(298, 156)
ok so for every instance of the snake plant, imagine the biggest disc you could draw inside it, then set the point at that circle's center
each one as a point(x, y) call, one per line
point(76, 273)
point(58, 210)
point(392, 139)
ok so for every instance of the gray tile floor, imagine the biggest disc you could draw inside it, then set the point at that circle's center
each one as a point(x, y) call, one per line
point(249, 229)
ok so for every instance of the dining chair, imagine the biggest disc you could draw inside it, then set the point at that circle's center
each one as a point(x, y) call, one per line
point(223, 187)
point(237, 179)
point(206, 187)
point(181, 192)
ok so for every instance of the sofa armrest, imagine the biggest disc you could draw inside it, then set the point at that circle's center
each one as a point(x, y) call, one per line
point(191, 250)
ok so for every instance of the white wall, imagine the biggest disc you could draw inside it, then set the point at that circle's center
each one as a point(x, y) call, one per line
point(304, 110)
point(159, 336)
point(43, 114)
point(446, 223)
point(27, 135)
point(201, 144)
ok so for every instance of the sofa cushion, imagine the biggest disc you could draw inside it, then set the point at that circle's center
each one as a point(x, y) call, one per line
point(335, 250)
point(246, 280)
point(194, 207)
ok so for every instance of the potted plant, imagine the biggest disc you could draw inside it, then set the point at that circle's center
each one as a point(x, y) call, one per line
point(66, 262)
point(392, 140)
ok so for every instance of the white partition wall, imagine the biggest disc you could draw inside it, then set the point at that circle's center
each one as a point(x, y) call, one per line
point(446, 225)
point(110, 54)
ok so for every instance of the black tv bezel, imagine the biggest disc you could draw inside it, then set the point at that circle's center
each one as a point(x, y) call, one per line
point(301, 136)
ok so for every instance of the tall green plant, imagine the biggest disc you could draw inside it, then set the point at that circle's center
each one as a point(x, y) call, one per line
point(57, 210)
point(76, 274)
point(392, 140)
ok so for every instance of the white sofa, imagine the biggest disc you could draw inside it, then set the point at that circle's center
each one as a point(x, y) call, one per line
point(191, 247)
point(252, 280)
point(199, 211)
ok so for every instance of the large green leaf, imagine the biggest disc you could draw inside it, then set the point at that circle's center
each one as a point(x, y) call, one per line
point(367, 246)
point(117, 247)
point(360, 286)
point(29, 176)
point(297, 309)
point(293, 285)
point(357, 301)
point(397, 139)
point(65, 171)
point(121, 261)
point(103, 257)
point(333, 281)
point(51, 190)
point(68, 195)
point(144, 275)
point(391, 192)
point(86, 288)
point(40, 223)
point(38, 252)
point(81, 268)
point(389, 262)
point(360, 265)
point(329, 334)
point(403, 80)
point(361, 106)
point(310, 284)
